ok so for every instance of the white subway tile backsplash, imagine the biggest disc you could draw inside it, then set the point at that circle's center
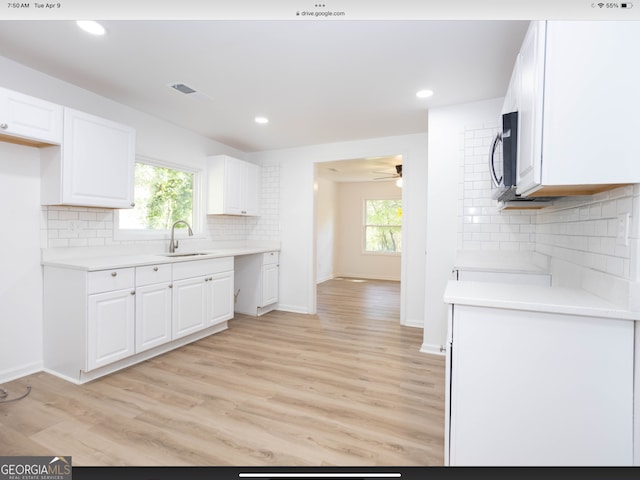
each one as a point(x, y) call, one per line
point(579, 230)
point(477, 206)
point(93, 227)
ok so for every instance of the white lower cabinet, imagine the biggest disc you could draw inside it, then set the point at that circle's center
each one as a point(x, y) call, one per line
point(101, 321)
point(529, 388)
point(256, 283)
point(110, 327)
point(202, 294)
point(153, 306)
point(189, 306)
point(221, 302)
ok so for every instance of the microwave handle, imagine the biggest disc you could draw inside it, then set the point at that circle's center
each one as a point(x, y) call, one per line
point(492, 167)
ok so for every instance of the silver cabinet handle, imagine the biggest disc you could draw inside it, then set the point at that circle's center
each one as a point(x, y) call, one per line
point(114, 274)
point(133, 292)
point(4, 126)
point(171, 285)
point(133, 205)
point(155, 269)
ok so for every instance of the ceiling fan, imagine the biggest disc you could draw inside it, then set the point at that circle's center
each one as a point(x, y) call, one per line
point(398, 173)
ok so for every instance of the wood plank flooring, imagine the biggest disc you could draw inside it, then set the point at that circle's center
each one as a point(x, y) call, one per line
point(345, 387)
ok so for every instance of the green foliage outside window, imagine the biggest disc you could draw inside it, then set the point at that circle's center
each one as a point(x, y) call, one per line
point(383, 226)
point(162, 196)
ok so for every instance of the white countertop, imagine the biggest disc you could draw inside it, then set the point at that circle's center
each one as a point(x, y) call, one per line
point(102, 260)
point(501, 261)
point(570, 301)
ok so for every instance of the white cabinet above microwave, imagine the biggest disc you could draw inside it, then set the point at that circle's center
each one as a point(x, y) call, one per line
point(578, 86)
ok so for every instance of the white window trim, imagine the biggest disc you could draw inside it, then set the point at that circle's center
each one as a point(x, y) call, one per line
point(363, 243)
point(124, 234)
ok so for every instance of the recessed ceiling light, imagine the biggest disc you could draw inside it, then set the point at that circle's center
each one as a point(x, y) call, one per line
point(424, 93)
point(261, 120)
point(91, 27)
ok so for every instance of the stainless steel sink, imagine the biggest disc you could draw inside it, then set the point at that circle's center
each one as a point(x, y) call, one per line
point(191, 254)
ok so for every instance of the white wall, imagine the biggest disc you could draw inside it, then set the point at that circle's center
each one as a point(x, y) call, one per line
point(351, 260)
point(298, 260)
point(20, 271)
point(326, 227)
point(447, 126)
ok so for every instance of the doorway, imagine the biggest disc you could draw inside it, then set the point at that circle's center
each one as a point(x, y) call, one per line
point(359, 221)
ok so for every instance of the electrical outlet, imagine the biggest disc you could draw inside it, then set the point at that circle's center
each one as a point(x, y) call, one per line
point(622, 237)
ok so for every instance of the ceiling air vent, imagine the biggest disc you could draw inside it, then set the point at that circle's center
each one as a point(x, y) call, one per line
point(182, 88)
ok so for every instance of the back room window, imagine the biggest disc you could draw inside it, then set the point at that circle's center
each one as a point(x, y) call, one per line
point(383, 226)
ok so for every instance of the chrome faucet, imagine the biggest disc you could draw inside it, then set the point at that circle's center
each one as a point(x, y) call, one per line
point(174, 243)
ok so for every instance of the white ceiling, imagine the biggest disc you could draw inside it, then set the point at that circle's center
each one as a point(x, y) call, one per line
point(317, 81)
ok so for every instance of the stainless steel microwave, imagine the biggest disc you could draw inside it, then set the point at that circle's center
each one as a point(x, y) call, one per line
point(503, 159)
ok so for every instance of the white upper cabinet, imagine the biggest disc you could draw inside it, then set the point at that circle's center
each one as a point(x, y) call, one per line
point(25, 119)
point(233, 186)
point(94, 166)
point(510, 103)
point(578, 85)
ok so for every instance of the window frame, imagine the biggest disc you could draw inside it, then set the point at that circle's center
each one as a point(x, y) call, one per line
point(365, 225)
point(123, 234)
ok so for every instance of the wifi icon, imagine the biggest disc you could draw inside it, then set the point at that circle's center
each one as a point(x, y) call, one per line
point(601, 5)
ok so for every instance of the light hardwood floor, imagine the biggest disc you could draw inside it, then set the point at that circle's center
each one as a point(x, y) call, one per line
point(345, 387)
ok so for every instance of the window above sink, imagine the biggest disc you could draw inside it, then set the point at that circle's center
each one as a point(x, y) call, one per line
point(164, 193)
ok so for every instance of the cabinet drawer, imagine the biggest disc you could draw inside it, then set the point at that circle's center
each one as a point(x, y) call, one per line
point(107, 280)
point(270, 258)
point(151, 274)
point(197, 268)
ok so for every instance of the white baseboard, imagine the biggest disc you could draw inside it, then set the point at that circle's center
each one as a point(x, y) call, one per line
point(367, 277)
point(432, 349)
point(325, 279)
point(414, 323)
point(19, 372)
point(292, 309)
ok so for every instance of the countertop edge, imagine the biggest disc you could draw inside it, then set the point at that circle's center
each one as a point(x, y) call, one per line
point(535, 298)
point(138, 260)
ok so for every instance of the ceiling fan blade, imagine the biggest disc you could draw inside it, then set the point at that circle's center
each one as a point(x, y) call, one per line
point(384, 178)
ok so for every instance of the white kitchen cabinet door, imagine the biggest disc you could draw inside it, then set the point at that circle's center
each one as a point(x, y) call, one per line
point(252, 189)
point(29, 118)
point(153, 315)
point(539, 389)
point(94, 167)
point(233, 186)
point(220, 297)
point(190, 306)
point(530, 100)
point(110, 327)
point(270, 280)
point(511, 98)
